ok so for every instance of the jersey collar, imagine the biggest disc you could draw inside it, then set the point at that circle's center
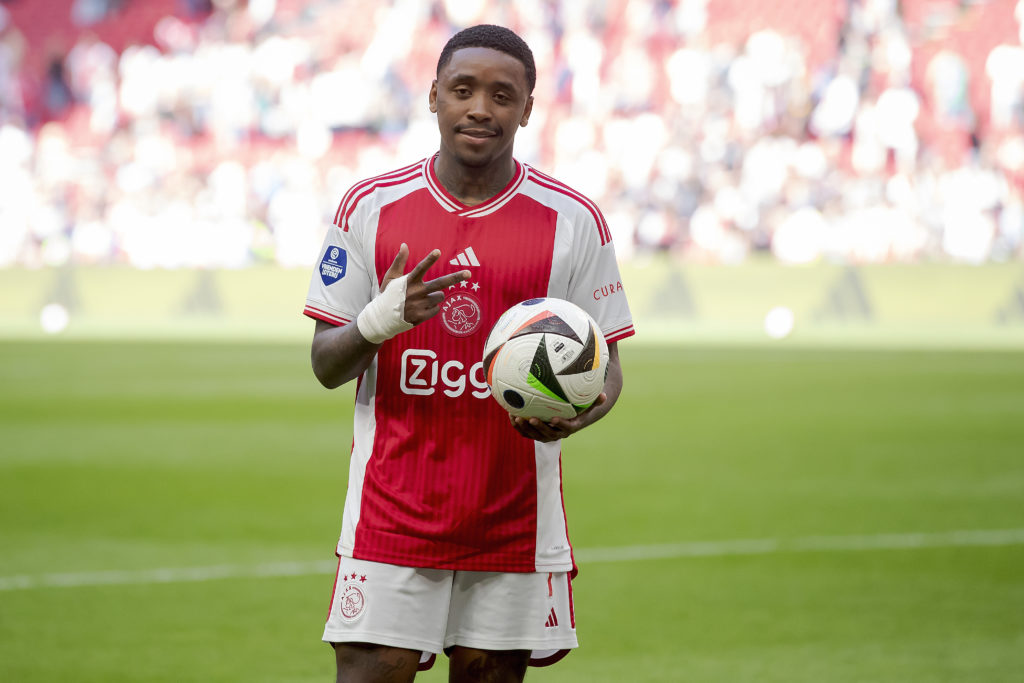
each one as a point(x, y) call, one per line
point(449, 203)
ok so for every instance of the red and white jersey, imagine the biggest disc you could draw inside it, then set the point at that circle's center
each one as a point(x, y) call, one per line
point(438, 477)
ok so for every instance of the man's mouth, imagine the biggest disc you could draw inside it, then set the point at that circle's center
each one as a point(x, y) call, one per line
point(476, 132)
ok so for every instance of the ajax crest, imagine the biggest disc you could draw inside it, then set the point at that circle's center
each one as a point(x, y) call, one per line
point(332, 265)
point(461, 314)
point(352, 600)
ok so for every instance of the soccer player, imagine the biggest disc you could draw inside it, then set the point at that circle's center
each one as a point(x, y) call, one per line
point(454, 534)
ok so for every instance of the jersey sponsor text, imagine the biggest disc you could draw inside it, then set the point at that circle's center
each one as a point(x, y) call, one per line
point(422, 371)
point(607, 290)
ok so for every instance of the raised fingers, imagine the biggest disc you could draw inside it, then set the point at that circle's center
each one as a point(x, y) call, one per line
point(421, 267)
point(446, 281)
point(437, 284)
point(397, 266)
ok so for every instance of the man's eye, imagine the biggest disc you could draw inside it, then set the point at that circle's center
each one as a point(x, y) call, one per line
point(462, 92)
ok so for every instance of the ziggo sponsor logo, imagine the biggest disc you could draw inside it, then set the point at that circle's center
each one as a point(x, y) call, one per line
point(421, 372)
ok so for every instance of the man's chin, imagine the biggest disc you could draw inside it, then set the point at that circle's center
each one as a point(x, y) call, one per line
point(478, 158)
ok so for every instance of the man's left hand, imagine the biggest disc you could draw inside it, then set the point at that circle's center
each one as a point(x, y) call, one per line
point(558, 428)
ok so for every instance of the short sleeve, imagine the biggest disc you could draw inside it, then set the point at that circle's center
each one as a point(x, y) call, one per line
point(340, 285)
point(595, 284)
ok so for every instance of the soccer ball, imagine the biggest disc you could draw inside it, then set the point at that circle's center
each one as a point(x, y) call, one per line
point(545, 358)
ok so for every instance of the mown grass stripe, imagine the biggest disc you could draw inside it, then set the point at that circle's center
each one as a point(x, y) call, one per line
point(635, 553)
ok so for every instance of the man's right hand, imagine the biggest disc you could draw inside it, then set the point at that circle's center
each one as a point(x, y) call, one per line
point(405, 300)
point(422, 299)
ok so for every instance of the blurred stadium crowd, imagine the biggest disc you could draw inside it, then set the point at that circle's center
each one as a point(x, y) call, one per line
point(199, 133)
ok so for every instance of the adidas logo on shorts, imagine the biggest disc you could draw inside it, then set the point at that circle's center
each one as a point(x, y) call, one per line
point(552, 620)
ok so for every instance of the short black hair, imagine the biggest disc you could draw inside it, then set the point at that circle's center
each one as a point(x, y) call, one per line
point(496, 38)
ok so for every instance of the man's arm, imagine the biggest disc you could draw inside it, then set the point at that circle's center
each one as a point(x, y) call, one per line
point(340, 354)
point(559, 428)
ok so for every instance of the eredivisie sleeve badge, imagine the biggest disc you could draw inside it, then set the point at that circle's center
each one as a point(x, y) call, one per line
point(333, 264)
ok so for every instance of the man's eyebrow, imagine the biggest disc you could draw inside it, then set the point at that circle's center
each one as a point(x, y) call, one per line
point(469, 78)
point(506, 85)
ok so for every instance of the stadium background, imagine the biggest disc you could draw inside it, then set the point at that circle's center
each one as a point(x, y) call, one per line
point(818, 207)
point(174, 134)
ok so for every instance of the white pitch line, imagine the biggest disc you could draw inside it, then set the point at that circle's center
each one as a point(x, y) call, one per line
point(166, 575)
point(634, 553)
point(766, 546)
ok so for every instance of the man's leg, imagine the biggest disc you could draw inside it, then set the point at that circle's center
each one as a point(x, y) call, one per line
point(469, 665)
point(367, 663)
point(384, 619)
point(498, 621)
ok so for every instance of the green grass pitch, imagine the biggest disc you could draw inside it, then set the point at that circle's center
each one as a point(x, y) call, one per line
point(130, 458)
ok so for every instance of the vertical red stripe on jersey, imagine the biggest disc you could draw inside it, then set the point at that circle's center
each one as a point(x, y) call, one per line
point(450, 483)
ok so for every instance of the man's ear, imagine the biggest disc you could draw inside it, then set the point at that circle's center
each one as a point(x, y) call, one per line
point(433, 97)
point(526, 112)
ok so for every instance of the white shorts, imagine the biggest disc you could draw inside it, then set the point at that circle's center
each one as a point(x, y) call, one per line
point(433, 610)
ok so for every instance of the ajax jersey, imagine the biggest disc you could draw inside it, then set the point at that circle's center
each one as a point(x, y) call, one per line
point(438, 476)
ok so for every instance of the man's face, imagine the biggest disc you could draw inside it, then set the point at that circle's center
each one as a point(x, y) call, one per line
point(480, 98)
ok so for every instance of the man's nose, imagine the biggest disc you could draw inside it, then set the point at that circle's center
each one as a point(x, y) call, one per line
point(478, 108)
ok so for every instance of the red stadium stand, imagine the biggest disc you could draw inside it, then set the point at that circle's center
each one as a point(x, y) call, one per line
point(815, 22)
point(863, 106)
point(48, 26)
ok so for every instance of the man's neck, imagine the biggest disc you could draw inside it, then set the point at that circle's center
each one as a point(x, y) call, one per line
point(473, 185)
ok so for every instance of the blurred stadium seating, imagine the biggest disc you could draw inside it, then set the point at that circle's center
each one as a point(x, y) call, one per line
point(190, 133)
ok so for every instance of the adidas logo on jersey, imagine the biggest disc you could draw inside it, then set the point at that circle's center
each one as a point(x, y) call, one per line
point(552, 620)
point(465, 258)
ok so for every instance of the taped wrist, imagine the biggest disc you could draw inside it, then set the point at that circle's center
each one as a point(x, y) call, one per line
point(383, 318)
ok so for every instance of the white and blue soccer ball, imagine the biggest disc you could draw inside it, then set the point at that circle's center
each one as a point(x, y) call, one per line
point(545, 358)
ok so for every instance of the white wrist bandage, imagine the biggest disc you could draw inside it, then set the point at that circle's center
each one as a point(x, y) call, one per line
point(383, 318)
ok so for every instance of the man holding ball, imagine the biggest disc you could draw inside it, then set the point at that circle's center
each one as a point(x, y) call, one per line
point(454, 534)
